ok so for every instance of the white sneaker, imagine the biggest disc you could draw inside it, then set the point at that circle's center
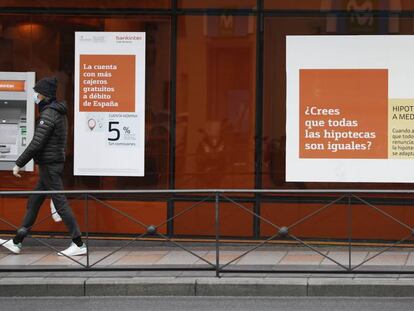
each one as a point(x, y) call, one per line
point(74, 250)
point(14, 248)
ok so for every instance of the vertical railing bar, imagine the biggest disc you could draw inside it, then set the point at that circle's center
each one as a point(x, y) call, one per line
point(258, 154)
point(217, 221)
point(349, 232)
point(87, 230)
point(172, 109)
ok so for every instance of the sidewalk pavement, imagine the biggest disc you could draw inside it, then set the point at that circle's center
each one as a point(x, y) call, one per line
point(323, 277)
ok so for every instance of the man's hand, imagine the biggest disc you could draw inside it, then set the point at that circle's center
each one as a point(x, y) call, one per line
point(16, 170)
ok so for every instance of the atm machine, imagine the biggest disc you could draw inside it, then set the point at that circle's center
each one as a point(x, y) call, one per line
point(16, 116)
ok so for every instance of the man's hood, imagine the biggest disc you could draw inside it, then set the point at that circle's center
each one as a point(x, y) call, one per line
point(59, 106)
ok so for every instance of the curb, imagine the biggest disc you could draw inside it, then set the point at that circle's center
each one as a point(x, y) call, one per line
point(361, 287)
point(139, 287)
point(251, 287)
point(241, 287)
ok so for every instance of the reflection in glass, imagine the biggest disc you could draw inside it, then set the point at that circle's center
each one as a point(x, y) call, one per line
point(215, 102)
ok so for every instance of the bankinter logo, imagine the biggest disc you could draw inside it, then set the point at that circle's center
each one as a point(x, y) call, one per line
point(128, 38)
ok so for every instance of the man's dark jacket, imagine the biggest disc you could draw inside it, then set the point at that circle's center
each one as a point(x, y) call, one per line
point(49, 140)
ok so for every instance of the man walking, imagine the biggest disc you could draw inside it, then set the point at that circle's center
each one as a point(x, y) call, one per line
point(47, 148)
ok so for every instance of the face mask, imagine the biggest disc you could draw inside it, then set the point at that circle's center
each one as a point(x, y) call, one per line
point(36, 98)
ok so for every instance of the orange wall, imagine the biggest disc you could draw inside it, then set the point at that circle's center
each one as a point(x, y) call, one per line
point(201, 220)
point(332, 223)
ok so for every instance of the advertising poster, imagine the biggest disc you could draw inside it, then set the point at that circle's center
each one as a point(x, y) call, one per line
point(109, 103)
point(350, 109)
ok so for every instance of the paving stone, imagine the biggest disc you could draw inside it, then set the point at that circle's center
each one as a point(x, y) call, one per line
point(224, 257)
point(21, 259)
point(301, 258)
point(53, 260)
point(97, 258)
point(261, 258)
point(410, 259)
point(4, 253)
point(140, 258)
point(343, 258)
point(388, 259)
point(181, 258)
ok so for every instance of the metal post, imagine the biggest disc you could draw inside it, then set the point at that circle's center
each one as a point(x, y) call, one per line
point(87, 230)
point(217, 221)
point(258, 116)
point(172, 116)
point(349, 232)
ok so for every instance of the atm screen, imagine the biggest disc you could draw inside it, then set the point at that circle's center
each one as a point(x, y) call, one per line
point(8, 133)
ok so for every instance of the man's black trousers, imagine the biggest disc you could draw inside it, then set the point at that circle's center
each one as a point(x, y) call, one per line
point(50, 178)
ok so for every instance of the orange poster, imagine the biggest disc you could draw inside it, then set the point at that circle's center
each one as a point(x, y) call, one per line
point(107, 83)
point(343, 113)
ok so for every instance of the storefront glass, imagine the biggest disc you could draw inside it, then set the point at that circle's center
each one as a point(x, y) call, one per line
point(45, 44)
point(216, 69)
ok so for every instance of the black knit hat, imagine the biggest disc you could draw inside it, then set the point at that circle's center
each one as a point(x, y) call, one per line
point(47, 87)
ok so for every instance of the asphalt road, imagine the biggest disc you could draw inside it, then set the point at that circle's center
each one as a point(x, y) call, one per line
point(205, 303)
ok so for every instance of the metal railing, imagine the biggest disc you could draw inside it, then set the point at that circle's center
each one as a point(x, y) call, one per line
point(346, 198)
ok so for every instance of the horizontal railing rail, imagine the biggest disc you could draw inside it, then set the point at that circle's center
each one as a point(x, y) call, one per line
point(192, 191)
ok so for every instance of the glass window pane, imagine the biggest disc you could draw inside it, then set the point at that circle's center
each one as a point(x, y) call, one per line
point(215, 102)
point(15, 42)
point(200, 220)
point(45, 45)
point(274, 116)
